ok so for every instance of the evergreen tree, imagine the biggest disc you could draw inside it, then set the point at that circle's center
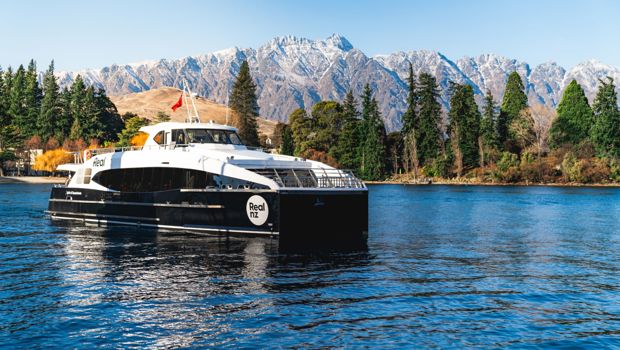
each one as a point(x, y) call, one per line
point(488, 128)
point(301, 127)
point(574, 119)
point(92, 126)
point(108, 114)
point(132, 127)
point(65, 120)
point(346, 152)
point(287, 147)
point(77, 109)
point(606, 129)
point(17, 110)
point(513, 102)
point(327, 123)
point(8, 84)
point(394, 146)
point(50, 105)
point(464, 128)
point(429, 114)
point(410, 132)
point(32, 101)
point(4, 119)
point(373, 136)
point(244, 103)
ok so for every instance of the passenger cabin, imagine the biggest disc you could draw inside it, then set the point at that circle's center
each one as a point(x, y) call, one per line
point(171, 135)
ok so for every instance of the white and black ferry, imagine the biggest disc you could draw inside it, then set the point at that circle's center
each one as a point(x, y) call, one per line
point(200, 177)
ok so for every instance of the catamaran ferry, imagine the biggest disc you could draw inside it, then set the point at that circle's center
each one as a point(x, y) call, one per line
point(200, 177)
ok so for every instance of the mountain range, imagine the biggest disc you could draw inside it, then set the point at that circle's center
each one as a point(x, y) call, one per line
point(292, 72)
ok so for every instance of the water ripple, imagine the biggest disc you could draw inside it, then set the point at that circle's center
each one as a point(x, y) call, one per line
point(446, 267)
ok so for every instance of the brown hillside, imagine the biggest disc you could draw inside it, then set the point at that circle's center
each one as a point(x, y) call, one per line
point(148, 103)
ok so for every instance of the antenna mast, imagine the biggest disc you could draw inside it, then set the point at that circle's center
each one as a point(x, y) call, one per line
point(187, 94)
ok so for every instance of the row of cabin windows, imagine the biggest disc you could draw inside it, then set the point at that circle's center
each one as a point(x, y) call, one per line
point(153, 179)
point(186, 136)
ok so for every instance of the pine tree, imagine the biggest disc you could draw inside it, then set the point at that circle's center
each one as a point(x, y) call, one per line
point(65, 120)
point(32, 101)
point(77, 109)
point(109, 116)
point(346, 152)
point(513, 102)
point(50, 105)
point(373, 138)
point(287, 147)
point(575, 117)
point(93, 127)
point(132, 127)
point(244, 103)
point(429, 114)
point(464, 128)
point(410, 132)
point(488, 128)
point(17, 110)
point(606, 130)
point(4, 119)
point(301, 126)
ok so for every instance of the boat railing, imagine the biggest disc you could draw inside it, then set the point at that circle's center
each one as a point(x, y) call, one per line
point(311, 177)
point(89, 153)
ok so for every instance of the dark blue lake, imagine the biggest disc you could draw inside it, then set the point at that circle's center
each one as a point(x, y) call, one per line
point(446, 267)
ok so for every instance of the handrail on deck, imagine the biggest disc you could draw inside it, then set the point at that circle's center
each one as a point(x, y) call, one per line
point(311, 177)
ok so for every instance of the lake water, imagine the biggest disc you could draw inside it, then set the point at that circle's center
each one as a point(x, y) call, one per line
point(446, 267)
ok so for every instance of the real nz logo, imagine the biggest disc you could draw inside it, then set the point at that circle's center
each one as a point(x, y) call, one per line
point(257, 210)
point(98, 162)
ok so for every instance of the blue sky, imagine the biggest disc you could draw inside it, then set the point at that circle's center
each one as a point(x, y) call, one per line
point(92, 34)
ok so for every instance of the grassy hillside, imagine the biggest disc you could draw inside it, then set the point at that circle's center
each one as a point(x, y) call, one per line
point(147, 104)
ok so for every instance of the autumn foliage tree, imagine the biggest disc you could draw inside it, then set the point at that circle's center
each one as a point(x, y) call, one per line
point(50, 160)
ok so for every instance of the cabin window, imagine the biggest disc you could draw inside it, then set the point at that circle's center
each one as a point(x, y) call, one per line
point(226, 137)
point(234, 138)
point(153, 179)
point(87, 173)
point(178, 136)
point(159, 138)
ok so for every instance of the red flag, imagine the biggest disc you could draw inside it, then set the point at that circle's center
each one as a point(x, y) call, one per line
point(178, 104)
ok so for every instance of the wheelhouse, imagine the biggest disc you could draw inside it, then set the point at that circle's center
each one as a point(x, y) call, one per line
point(182, 134)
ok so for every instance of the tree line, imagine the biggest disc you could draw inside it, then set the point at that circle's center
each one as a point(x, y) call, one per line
point(36, 113)
point(510, 142)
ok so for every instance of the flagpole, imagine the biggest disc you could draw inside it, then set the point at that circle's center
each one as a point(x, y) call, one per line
point(189, 116)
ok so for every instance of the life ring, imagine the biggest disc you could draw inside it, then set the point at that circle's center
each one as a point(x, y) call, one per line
point(87, 154)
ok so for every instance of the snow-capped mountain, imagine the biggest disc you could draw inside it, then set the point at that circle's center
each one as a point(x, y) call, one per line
point(293, 72)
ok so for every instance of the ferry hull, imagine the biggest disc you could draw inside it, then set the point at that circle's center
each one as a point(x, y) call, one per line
point(296, 217)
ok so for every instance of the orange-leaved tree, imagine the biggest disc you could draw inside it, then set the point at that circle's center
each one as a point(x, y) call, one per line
point(50, 160)
point(139, 139)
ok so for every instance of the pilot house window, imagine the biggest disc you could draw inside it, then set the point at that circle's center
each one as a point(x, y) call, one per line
point(159, 138)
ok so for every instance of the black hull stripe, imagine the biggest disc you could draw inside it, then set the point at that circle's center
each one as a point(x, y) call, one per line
point(207, 229)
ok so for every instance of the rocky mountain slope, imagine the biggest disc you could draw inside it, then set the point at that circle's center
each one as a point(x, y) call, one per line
point(293, 72)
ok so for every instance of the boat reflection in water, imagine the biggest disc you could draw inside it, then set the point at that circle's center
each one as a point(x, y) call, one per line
point(182, 284)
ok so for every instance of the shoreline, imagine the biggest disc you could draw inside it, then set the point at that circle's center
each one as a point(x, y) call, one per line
point(61, 180)
point(32, 180)
point(480, 183)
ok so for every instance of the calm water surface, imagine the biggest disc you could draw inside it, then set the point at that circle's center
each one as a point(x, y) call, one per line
point(446, 267)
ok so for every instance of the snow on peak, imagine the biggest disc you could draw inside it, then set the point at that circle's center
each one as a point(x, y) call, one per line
point(339, 41)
